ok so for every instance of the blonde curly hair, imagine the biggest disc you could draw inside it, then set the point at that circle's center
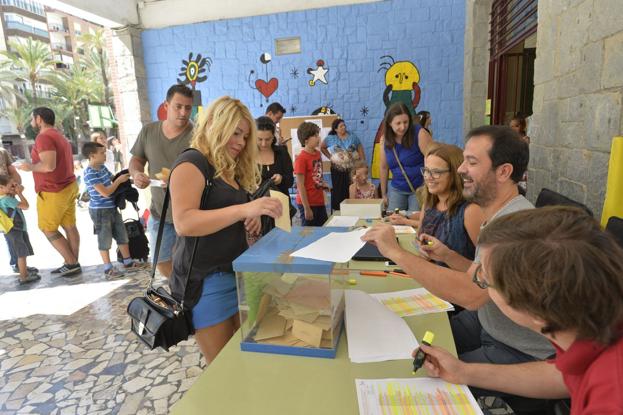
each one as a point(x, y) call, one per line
point(215, 127)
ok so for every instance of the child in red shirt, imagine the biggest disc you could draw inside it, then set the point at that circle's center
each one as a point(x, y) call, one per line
point(309, 182)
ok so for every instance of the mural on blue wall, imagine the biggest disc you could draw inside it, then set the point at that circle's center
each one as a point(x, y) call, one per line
point(318, 74)
point(294, 73)
point(402, 84)
point(192, 72)
point(364, 113)
point(266, 87)
point(324, 110)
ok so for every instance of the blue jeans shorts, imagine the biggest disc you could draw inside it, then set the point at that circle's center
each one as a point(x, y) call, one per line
point(218, 301)
point(108, 224)
point(168, 239)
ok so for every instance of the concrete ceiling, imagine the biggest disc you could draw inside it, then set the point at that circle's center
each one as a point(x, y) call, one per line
point(162, 13)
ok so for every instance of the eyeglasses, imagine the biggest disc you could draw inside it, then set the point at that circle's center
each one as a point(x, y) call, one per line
point(435, 174)
point(477, 278)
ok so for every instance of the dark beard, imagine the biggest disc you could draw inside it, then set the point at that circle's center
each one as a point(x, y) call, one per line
point(483, 194)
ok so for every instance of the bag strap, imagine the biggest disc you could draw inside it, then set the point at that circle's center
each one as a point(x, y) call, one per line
point(163, 215)
point(404, 173)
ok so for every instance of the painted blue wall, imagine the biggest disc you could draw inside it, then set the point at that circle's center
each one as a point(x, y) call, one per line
point(350, 39)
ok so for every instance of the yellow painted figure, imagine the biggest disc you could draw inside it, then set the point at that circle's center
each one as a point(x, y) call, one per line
point(402, 84)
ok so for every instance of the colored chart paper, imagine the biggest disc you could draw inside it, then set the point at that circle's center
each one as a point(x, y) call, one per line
point(413, 302)
point(414, 397)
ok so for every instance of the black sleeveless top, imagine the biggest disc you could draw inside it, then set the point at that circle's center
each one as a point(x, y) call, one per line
point(215, 252)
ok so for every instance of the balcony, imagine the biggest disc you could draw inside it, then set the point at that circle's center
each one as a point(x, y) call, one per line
point(63, 47)
point(13, 25)
point(58, 29)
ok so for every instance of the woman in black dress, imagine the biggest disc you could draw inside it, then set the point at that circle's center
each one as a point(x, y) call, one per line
point(274, 159)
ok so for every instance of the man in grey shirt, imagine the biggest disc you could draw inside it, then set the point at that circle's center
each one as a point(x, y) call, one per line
point(494, 161)
point(158, 145)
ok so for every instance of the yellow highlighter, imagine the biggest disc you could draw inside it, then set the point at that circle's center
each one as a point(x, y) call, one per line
point(420, 356)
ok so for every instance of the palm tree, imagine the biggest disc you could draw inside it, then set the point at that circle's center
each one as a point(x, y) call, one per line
point(97, 59)
point(75, 89)
point(8, 93)
point(31, 61)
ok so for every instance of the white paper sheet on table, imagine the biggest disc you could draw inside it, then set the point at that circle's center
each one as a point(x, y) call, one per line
point(343, 221)
point(412, 302)
point(374, 333)
point(414, 396)
point(334, 247)
point(399, 229)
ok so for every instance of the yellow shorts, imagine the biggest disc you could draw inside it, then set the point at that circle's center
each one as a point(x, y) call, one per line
point(56, 209)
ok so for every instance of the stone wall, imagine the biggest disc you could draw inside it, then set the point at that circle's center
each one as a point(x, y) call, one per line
point(349, 39)
point(129, 83)
point(477, 23)
point(577, 98)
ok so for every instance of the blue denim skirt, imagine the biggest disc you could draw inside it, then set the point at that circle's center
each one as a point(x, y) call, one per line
point(218, 301)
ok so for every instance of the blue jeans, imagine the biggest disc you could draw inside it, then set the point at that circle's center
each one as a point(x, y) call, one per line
point(320, 216)
point(13, 261)
point(168, 239)
point(401, 200)
point(108, 225)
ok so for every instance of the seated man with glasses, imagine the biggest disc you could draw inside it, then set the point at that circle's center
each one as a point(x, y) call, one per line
point(448, 225)
point(553, 271)
point(495, 158)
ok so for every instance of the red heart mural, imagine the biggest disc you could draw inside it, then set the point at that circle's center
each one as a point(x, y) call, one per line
point(267, 88)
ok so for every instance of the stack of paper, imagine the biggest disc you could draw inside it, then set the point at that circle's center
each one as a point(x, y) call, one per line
point(298, 311)
point(414, 396)
point(334, 247)
point(412, 302)
point(374, 333)
point(343, 221)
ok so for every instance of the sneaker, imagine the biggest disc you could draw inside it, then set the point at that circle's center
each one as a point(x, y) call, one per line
point(68, 270)
point(30, 278)
point(136, 266)
point(113, 273)
point(30, 269)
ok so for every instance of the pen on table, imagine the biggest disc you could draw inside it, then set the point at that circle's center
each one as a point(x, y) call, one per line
point(398, 273)
point(420, 356)
point(373, 273)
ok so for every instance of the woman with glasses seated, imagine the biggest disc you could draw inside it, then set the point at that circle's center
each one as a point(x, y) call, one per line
point(448, 225)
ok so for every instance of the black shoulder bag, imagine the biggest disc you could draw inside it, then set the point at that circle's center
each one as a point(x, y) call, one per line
point(157, 318)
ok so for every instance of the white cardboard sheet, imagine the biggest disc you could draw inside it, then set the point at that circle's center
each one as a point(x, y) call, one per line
point(374, 333)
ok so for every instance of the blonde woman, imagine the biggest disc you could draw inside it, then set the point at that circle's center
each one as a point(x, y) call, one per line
point(226, 149)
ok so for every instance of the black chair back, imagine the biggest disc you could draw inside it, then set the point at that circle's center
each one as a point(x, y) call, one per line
point(615, 227)
point(549, 197)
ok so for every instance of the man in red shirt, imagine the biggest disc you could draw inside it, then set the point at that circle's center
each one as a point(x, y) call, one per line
point(552, 270)
point(55, 183)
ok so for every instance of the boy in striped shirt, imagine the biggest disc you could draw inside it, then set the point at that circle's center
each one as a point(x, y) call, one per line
point(103, 211)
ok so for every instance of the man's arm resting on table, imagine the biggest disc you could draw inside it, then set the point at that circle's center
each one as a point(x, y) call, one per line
point(457, 261)
point(533, 380)
point(453, 286)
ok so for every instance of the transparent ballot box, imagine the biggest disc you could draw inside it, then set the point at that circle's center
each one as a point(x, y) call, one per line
point(289, 305)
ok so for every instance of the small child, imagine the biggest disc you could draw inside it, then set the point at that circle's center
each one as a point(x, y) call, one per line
point(17, 237)
point(103, 211)
point(309, 182)
point(361, 188)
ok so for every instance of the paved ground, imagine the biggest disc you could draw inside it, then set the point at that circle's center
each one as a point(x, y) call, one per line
point(87, 362)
